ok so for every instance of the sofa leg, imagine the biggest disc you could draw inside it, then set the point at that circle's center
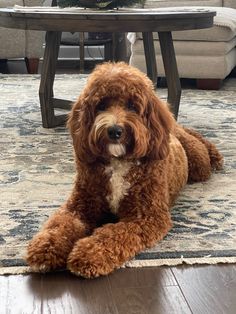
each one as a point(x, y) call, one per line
point(3, 66)
point(32, 65)
point(209, 84)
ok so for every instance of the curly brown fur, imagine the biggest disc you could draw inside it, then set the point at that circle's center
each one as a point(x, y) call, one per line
point(132, 160)
point(215, 157)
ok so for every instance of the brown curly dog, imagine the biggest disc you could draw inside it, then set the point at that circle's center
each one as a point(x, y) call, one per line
point(132, 160)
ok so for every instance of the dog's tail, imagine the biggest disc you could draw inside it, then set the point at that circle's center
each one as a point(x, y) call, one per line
point(216, 158)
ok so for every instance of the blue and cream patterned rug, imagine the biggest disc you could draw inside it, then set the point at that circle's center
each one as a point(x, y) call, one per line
point(37, 170)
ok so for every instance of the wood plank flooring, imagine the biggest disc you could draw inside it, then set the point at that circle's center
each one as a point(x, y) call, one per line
point(154, 290)
point(208, 289)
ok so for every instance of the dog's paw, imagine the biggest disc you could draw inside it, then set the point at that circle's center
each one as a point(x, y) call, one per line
point(89, 259)
point(45, 253)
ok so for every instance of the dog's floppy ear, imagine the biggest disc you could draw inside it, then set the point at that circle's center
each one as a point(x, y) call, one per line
point(78, 123)
point(160, 121)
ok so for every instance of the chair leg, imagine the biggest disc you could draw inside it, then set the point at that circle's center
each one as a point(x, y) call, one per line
point(209, 84)
point(32, 65)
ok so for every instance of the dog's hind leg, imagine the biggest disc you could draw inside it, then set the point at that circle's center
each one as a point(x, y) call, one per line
point(199, 162)
point(215, 157)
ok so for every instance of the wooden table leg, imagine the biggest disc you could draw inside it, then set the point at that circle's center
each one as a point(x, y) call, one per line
point(150, 56)
point(49, 118)
point(119, 47)
point(171, 70)
point(81, 52)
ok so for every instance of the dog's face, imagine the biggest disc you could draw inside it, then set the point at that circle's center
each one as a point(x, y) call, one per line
point(119, 128)
point(119, 115)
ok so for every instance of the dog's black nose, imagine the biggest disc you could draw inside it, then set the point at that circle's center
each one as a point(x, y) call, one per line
point(114, 132)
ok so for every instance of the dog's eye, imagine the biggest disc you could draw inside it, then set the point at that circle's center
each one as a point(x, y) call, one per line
point(131, 106)
point(101, 106)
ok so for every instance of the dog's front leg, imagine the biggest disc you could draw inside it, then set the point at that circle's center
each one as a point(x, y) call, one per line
point(49, 249)
point(113, 244)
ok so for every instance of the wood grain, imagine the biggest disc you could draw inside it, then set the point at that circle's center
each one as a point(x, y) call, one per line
point(209, 84)
point(142, 277)
point(65, 293)
point(208, 289)
point(16, 294)
point(150, 300)
point(116, 21)
point(150, 55)
point(171, 71)
point(147, 290)
point(157, 290)
point(49, 119)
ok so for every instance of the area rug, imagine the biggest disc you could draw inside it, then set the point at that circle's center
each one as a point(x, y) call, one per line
point(37, 171)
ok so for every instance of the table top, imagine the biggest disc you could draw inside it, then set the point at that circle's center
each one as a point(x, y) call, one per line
point(122, 20)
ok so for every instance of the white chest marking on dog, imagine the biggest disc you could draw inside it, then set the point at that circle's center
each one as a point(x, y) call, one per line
point(119, 186)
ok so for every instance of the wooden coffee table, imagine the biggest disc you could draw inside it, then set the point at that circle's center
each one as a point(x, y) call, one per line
point(146, 21)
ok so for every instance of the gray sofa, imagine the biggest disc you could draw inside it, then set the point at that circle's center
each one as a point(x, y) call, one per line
point(207, 55)
point(21, 43)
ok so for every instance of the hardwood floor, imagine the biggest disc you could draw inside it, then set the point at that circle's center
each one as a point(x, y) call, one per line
point(160, 290)
point(156, 290)
point(208, 289)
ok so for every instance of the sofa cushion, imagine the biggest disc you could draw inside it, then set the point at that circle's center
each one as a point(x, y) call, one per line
point(230, 3)
point(193, 48)
point(14, 48)
point(8, 3)
point(216, 33)
point(33, 3)
point(224, 28)
point(70, 38)
point(20, 43)
point(179, 3)
point(214, 66)
point(34, 39)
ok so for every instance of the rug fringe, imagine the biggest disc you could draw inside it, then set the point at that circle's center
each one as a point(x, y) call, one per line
point(179, 261)
point(15, 270)
point(139, 263)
